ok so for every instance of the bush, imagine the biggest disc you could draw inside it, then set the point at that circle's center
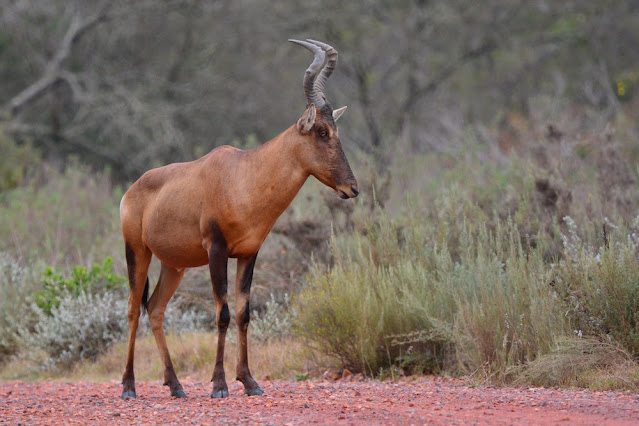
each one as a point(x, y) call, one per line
point(600, 286)
point(16, 162)
point(81, 316)
point(275, 321)
point(14, 309)
point(79, 327)
point(380, 304)
point(580, 361)
point(399, 295)
point(478, 299)
point(506, 315)
point(85, 325)
point(99, 279)
point(180, 320)
point(61, 218)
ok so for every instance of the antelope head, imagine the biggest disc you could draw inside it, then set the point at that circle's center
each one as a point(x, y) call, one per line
point(321, 151)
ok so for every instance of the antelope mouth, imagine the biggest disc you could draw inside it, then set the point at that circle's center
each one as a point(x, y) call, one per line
point(345, 194)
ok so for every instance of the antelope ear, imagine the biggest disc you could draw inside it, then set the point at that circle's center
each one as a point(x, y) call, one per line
point(338, 113)
point(306, 121)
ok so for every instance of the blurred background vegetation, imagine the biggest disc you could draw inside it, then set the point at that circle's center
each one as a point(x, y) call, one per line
point(496, 144)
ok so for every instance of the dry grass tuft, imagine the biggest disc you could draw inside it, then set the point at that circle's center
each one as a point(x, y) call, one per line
point(193, 356)
point(583, 362)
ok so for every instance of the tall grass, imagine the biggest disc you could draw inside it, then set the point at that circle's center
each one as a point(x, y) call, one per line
point(395, 297)
point(519, 266)
point(584, 362)
point(479, 272)
point(602, 289)
point(15, 287)
point(61, 218)
point(49, 218)
point(492, 307)
point(193, 355)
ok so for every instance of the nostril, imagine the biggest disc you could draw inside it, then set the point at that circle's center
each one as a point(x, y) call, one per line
point(355, 191)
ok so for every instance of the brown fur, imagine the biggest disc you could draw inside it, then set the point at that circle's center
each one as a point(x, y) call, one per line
point(177, 211)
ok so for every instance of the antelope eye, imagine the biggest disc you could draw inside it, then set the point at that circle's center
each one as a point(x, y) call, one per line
point(323, 133)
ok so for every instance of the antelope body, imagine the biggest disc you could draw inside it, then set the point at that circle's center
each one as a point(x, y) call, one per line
point(223, 206)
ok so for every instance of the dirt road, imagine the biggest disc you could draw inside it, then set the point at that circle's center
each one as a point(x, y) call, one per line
point(425, 400)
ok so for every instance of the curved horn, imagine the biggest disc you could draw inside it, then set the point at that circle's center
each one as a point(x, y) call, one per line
point(320, 81)
point(312, 96)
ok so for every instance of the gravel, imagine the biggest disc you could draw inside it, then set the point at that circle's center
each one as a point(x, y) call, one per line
point(419, 401)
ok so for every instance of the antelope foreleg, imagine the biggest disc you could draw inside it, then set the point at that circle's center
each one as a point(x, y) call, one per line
point(242, 318)
point(218, 263)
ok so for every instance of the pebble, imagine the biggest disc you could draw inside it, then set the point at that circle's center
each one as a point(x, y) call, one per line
point(402, 401)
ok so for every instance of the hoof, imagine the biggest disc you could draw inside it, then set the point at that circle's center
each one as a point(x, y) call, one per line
point(223, 393)
point(128, 394)
point(254, 392)
point(178, 393)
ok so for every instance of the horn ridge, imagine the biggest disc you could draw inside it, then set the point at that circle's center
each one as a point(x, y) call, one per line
point(329, 67)
point(314, 93)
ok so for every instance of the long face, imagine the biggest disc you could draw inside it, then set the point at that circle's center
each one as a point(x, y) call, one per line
point(322, 152)
point(323, 155)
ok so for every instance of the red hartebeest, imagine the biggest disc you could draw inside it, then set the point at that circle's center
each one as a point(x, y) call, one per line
point(223, 206)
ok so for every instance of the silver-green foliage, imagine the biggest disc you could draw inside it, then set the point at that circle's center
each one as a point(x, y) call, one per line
point(84, 325)
point(61, 218)
point(600, 285)
point(468, 293)
point(430, 295)
point(274, 322)
point(81, 327)
point(184, 320)
point(14, 289)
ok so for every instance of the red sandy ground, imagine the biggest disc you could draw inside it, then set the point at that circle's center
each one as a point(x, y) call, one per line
point(425, 400)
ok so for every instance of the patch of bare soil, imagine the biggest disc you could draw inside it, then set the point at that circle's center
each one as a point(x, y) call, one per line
point(426, 400)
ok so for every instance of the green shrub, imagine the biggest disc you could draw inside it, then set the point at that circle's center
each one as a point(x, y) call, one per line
point(380, 304)
point(475, 298)
point(14, 308)
point(506, 315)
point(80, 317)
point(15, 162)
point(274, 322)
point(399, 295)
point(600, 286)
point(78, 327)
point(61, 218)
point(99, 279)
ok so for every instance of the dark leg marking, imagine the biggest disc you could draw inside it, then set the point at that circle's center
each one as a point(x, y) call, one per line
point(218, 264)
point(130, 261)
point(225, 317)
point(218, 258)
point(145, 296)
point(247, 277)
point(247, 315)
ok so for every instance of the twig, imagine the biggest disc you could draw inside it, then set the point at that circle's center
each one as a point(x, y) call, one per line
point(54, 71)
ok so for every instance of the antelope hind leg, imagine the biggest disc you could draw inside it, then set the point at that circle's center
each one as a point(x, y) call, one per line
point(167, 284)
point(242, 318)
point(137, 260)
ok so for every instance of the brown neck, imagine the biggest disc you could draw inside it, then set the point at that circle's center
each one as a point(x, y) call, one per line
point(278, 174)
